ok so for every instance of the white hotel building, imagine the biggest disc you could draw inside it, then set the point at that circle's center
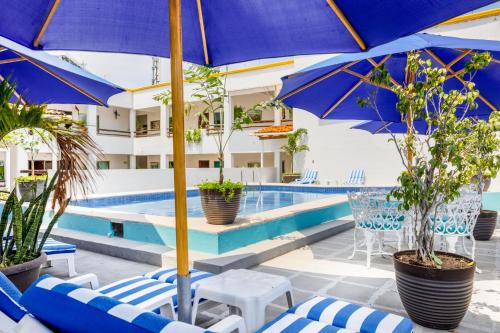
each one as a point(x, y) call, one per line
point(135, 138)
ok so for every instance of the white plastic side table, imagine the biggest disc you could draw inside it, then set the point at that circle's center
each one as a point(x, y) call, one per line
point(250, 291)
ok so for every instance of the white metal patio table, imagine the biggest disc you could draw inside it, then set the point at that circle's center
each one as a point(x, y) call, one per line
point(250, 291)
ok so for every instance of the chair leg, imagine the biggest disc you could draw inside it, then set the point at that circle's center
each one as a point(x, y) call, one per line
point(71, 266)
point(400, 236)
point(369, 247)
point(452, 241)
point(473, 250)
point(380, 241)
point(355, 245)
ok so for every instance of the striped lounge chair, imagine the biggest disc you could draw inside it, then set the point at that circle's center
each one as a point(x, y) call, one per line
point(54, 305)
point(56, 250)
point(357, 177)
point(309, 177)
point(328, 315)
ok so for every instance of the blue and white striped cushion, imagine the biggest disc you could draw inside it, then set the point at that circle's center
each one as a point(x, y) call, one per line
point(66, 307)
point(351, 316)
point(290, 323)
point(52, 246)
point(9, 299)
point(169, 275)
point(140, 291)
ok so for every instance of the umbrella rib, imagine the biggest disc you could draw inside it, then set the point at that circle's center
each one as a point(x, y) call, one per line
point(440, 61)
point(338, 12)
point(9, 61)
point(18, 95)
point(2, 49)
point(351, 90)
point(60, 78)
point(202, 31)
point(319, 79)
point(46, 23)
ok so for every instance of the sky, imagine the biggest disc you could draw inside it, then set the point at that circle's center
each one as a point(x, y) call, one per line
point(131, 71)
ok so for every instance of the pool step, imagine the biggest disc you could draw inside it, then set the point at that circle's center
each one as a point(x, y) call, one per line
point(244, 257)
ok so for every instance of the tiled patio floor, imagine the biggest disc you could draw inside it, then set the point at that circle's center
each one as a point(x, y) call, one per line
point(323, 269)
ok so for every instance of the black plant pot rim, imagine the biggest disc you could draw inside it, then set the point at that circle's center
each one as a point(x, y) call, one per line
point(488, 212)
point(25, 266)
point(454, 274)
point(217, 192)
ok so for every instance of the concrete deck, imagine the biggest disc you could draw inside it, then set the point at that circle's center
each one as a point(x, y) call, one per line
point(323, 269)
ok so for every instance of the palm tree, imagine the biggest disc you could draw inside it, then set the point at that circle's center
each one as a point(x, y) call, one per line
point(294, 144)
point(75, 146)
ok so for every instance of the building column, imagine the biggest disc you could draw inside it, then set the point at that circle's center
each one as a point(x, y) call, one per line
point(163, 161)
point(163, 120)
point(277, 164)
point(277, 117)
point(261, 153)
point(6, 170)
point(132, 162)
point(92, 119)
point(132, 115)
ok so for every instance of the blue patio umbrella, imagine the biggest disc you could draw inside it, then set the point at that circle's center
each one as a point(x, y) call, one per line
point(218, 32)
point(42, 78)
point(330, 88)
point(214, 33)
point(398, 127)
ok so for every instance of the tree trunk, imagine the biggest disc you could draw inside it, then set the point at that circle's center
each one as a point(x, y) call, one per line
point(221, 169)
point(291, 164)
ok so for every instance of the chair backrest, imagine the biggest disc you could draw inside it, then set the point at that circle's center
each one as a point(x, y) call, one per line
point(9, 299)
point(372, 210)
point(357, 177)
point(67, 307)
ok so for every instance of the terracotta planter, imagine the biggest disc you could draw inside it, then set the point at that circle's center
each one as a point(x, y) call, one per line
point(217, 209)
point(485, 225)
point(288, 178)
point(23, 275)
point(434, 298)
point(26, 189)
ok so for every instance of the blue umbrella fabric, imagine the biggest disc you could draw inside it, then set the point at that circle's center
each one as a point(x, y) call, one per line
point(41, 78)
point(218, 32)
point(388, 127)
point(330, 88)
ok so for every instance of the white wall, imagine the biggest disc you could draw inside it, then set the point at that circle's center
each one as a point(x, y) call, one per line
point(120, 181)
point(116, 161)
point(335, 150)
point(242, 160)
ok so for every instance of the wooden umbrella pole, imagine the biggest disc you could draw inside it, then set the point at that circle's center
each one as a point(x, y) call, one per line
point(183, 276)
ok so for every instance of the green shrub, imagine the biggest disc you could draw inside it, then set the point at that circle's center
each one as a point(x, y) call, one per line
point(227, 188)
point(29, 179)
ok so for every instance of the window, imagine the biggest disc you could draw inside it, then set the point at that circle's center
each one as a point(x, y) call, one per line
point(217, 118)
point(216, 164)
point(253, 164)
point(203, 164)
point(154, 165)
point(102, 165)
point(170, 164)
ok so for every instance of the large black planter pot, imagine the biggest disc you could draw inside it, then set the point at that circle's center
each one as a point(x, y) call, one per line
point(23, 275)
point(434, 298)
point(217, 209)
point(485, 225)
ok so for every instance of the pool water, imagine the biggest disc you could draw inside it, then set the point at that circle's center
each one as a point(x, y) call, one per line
point(252, 202)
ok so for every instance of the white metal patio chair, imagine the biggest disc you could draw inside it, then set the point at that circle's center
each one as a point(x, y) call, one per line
point(374, 215)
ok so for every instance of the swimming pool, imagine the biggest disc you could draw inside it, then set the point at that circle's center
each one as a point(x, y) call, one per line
point(253, 201)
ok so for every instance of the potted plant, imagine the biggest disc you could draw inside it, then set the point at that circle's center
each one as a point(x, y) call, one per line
point(435, 287)
point(21, 254)
point(486, 158)
point(294, 146)
point(220, 199)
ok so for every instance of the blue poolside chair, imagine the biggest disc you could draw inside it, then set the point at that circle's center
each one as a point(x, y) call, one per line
point(309, 177)
point(357, 177)
point(53, 304)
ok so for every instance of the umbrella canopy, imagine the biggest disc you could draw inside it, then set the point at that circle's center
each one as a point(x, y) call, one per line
point(218, 32)
point(40, 78)
point(388, 127)
point(330, 88)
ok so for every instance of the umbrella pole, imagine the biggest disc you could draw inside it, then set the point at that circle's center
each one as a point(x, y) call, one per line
point(183, 274)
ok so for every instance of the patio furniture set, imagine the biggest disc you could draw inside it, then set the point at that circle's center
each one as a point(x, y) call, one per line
point(375, 215)
point(129, 305)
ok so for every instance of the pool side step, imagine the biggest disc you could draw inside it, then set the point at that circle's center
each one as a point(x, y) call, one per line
point(244, 257)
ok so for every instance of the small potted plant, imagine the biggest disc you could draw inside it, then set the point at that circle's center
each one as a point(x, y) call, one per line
point(294, 146)
point(21, 254)
point(486, 158)
point(220, 199)
point(435, 287)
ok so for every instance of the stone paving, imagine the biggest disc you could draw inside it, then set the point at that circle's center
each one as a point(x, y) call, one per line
point(324, 269)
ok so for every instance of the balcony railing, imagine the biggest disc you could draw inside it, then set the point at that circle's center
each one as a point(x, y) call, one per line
point(112, 132)
point(266, 123)
point(147, 133)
